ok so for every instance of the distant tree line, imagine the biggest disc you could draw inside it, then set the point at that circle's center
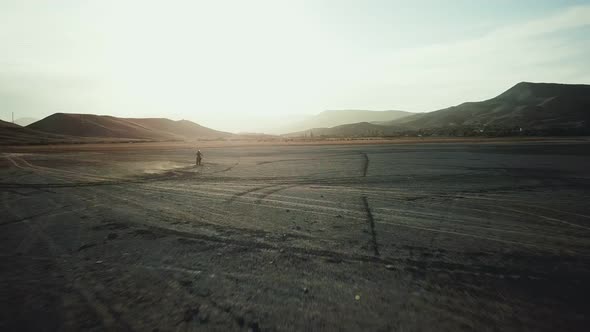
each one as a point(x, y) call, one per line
point(470, 131)
point(493, 131)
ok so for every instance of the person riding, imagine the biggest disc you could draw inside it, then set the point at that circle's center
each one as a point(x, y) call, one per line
point(199, 157)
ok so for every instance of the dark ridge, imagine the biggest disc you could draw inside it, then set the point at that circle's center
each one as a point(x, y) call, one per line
point(91, 125)
point(371, 226)
point(526, 109)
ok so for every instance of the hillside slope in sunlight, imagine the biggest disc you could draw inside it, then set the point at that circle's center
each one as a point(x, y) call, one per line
point(526, 108)
point(526, 105)
point(11, 133)
point(90, 125)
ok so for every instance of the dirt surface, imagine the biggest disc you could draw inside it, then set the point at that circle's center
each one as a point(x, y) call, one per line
point(405, 237)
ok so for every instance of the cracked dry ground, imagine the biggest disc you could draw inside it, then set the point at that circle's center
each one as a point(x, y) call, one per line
point(385, 237)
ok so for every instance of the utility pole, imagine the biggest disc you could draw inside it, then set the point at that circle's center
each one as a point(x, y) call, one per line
point(12, 117)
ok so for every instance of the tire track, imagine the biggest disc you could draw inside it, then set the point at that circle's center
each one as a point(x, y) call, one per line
point(184, 217)
point(520, 243)
point(91, 179)
point(259, 200)
point(40, 214)
point(246, 192)
point(526, 205)
point(530, 231)
point(365, 164)
point(371, 222)
point(227, 169)
point(216, 236)
point(263, 198)
point(268, 193)
point(109, 318)
point(12, 161)
point(292, 205)
point(452, 268)
point(419, 225)
point(550, 219)
point(540, 216)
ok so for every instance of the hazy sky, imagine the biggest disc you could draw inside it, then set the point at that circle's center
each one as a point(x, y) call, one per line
point(250, 65)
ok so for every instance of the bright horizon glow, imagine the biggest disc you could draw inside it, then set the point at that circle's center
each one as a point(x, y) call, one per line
point(257, 65)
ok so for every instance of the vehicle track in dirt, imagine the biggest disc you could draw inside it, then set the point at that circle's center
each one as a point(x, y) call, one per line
point(292, 204)
point(371, 223)
point(430, 234)
point(259, 200)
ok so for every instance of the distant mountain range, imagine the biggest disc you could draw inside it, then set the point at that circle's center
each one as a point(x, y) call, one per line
point(334, 118)
point(529, 108)
point(525, 109)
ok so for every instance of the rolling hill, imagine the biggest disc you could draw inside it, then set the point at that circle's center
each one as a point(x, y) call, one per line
point(5, 124)
point(526, 105)
point(526, 108)
point(183, 129)
point(14, 134)
point(90, 125)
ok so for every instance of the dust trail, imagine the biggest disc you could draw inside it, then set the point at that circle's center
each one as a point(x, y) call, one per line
point(365, 164)
point(371, 225)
